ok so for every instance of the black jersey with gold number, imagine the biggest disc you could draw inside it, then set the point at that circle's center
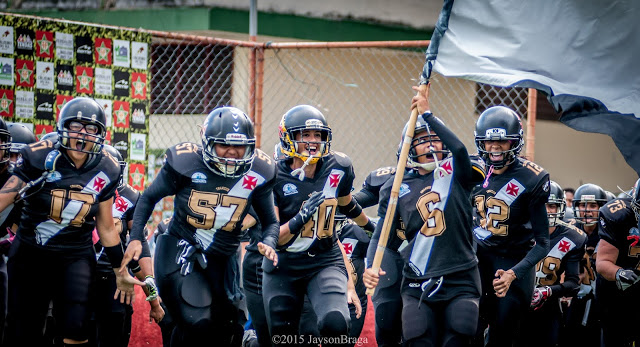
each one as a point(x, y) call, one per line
point(124, 204)
point(566, 251)
point(619, 227)
point(437, 219)
point(208, 208)
point(60, 215)
point(334, 177)
point(502, 220)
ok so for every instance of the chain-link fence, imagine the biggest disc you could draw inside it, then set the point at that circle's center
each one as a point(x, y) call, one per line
point(364, 90)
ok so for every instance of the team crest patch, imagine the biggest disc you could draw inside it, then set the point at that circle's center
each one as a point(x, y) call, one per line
point(199, 177)
point(53, 176)
point(289, 189)
point(404, 190)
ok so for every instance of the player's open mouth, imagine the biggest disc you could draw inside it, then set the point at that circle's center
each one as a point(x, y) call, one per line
point(80, 144)
point(312, 149)
point(498, 156)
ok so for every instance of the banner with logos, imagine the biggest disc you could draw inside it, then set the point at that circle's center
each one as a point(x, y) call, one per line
point(44, 63)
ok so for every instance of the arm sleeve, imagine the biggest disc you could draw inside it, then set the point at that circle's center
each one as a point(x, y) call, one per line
point(540, 226)
point(164, 185)
point(457, 148)
point(263, 205)
point(365, 197)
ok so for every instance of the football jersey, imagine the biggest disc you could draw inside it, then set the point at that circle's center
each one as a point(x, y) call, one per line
point(619, 227)
point(208, 208)
point(354, 240)
point(124, 203)
point(437, 221)
point(59, 215)
point(567, 248)
point(334, 177)
point(370, 192)
point(502, 220)
point(369, 195)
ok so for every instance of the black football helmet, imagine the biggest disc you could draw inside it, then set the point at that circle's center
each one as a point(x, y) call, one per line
point(228, 126)
point(297, 119)
point(610, 195)
point(556, 197)
point(87, 112)
point(52, 136)
point(495, 124)
point(116, 154)
point(20, 136)
point(584, 194)
point(478, 167)
point(5, 141)
point(418, 139)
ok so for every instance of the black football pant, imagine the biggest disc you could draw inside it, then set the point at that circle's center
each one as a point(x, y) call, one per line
point(284, 300)
point(252, 283)
point(387, 301)
point(542, 326)
point(308, 319)
point(503, 315)
point(445, 315)
point(112, 319)
point(36, 276)
point(198, 302)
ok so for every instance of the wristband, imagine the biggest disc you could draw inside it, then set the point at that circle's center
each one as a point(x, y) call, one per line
point(115, 254)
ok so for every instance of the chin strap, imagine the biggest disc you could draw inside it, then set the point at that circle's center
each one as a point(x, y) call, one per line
point(300, 171)
point(439, 171)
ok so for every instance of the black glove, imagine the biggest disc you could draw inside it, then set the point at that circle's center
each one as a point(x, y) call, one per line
point(306, 212)
point(369, 228)
point(625, 278)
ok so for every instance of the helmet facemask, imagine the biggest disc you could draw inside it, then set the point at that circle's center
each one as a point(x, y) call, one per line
point(96, 139)
point(228, 167)
point(554, 218)
point(508, 157)
point(290, 146)
point(580, 212)
point(413, 160)
point(5, 138)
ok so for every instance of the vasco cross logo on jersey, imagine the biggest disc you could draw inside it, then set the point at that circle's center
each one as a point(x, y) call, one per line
point(249, 182)
point(98, 184)
point(564, 246)
point(512, 189)
point(121, 205)
point(334, 179)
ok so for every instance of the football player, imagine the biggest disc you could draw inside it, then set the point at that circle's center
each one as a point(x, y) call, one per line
point(557, 275)
point(8, 220)
point(510, 215)
point(214, 185)
point(20, 137)
point(68, 191)
point(618, 264)
point(111, 317)
point(441, 284)
point(582, 318)
point(387, 302)
point(313, 183)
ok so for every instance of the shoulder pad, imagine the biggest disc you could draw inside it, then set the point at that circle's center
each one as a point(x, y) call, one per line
point(379, 176)
point(36, 153)
point(264, 165)
point(533, 167)
point(182, 156)
point(342, 159)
